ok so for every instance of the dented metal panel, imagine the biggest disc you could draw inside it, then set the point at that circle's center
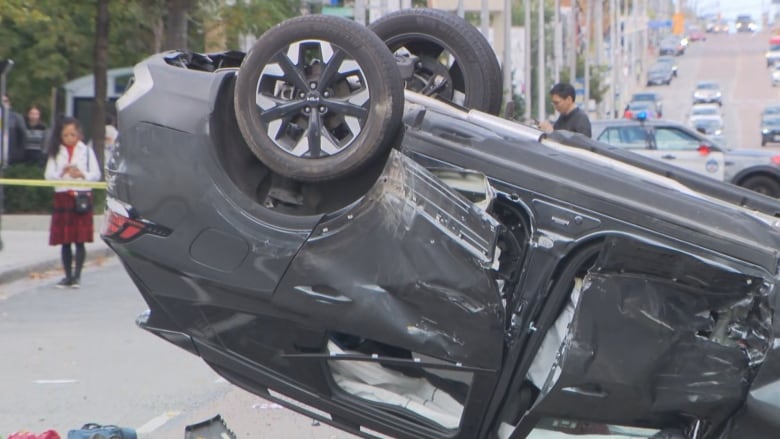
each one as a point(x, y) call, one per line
point(409, 265)
point(658, 335)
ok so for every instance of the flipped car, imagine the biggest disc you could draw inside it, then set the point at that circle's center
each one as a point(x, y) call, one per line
point(339, 222)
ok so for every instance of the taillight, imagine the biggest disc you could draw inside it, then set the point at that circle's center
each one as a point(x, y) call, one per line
point(118, 224)
point(121, 227)
point(776, 160)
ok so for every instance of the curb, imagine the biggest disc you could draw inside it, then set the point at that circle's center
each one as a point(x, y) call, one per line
point(18, 273)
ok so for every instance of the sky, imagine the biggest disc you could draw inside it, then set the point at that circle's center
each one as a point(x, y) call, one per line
point(731, 8)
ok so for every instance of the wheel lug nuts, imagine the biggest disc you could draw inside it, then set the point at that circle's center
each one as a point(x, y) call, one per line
point(302, 95)
point(322, 109)
point(307, 109)
point(326, 94)
point(312, 85)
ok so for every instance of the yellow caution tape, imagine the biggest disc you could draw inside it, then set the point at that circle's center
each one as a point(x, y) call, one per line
point(52, 183)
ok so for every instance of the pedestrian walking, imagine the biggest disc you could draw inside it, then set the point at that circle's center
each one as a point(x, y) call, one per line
point(69, 159)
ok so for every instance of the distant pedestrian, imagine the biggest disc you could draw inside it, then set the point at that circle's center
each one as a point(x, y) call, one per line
point(570, 118)
point(70, 159)
point(35, 149)
point(17, 134)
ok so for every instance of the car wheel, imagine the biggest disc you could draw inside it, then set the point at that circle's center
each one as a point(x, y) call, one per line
point(318, 98)
point(456, 62)
point(762, 184)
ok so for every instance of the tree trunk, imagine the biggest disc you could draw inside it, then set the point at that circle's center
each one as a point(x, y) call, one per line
point(176, 32)
point(101, 83)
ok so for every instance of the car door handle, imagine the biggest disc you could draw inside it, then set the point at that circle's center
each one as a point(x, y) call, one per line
point(669, 157)
point(593, 393)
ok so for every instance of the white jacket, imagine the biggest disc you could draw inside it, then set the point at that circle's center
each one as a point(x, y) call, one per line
point(82, 155)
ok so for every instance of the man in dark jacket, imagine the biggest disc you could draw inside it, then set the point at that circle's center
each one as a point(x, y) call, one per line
point(571, 117)
point(17, 133)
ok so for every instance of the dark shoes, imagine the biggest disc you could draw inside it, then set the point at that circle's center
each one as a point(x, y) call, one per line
point(69, 282)
point(65, 282)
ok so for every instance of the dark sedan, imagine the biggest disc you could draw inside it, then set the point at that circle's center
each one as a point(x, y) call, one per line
point(770, 130)
point(381, 260)
point(660, 74)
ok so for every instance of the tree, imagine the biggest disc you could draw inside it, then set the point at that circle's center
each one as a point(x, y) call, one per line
point(100, 69)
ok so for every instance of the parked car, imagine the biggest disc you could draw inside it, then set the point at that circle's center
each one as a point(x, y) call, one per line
point(683, 146)
point(660, 74)
point(652, 97)
point(670, 60)
point(707, 92)
point(770, 129)
point(383, 261)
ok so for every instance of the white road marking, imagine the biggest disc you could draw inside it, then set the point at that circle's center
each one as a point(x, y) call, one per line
point(63, 381)
point(157, 422)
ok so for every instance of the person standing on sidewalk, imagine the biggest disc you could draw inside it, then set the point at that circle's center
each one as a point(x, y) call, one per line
point(35, 149)
point(70, 159)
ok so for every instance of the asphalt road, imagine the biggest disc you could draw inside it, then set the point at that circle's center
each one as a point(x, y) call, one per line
point(75, 356)
point(737, 62)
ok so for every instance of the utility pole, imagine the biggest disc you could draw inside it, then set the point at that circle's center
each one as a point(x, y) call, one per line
point(588, 35)
point(574, 42)
point(598, 8)
point(540, 68)
point(484, 19)
point(557, 42)
point(613, 48)
point(508, 65)
point(527, 61)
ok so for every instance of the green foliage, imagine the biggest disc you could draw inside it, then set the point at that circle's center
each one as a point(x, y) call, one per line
point(27, 199)
point(53, 41)
point(31, 199)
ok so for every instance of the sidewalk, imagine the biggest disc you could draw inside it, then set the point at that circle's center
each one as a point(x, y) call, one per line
point(26, 248)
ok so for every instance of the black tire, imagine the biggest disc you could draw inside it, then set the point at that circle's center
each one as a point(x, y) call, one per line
point(318, 98)
point(448, 47)
point(762, 184)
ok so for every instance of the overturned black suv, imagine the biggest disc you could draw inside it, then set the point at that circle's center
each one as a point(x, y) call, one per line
point(351, 231)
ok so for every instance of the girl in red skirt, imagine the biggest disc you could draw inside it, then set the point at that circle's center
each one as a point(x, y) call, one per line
point(70, 159)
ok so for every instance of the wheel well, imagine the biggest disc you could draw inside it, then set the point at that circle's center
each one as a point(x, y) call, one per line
point(740, 180)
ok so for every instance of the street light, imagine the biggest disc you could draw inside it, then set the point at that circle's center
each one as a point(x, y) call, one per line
point(5, 67)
